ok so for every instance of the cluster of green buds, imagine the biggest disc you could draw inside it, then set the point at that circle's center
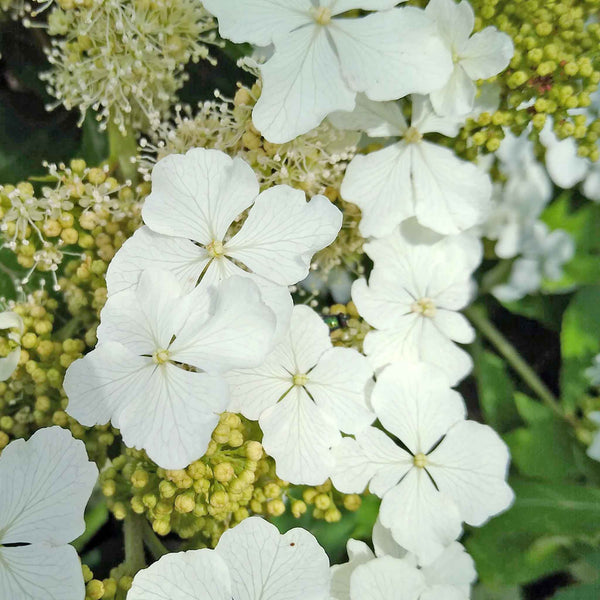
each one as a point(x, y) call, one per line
point(125, 59)
point(325, 502)
point(555, 69)
point(33, 397)
point(105, 589)
point(314, 162)
point(67, 217)
point(346, 327)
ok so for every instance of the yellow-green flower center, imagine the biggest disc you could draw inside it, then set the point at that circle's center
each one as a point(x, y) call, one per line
point(300, 379)
point(322, 15)
point(424, 306)
point(215, 249)
point(160, 357)
point(413, 136)
point(420, 460)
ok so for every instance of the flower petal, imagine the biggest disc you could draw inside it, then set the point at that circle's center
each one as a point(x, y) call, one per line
point(302, 84)
point(391, 54)
point(455, 21)
point(198, 195)
point(452, 567)
point(184, 576)
point(470, 466)
point(11, 320)
point(487, 53)
point(451, 195)
point(309, 338)
point(339, 384)
point(41, 572)
point(454, 325)
point(386, 578)
point(299, 435)
point(457, 97)
point(415, 403)
point(422, 520)
point(9, 364)
point(238, 334)
point(266, 565)
point(149, 250)
point(258, 21)
point(380, 184)
point(426, 120)
point(373, 457)
point(46, 484)
point(283, 232)
point(341, 6)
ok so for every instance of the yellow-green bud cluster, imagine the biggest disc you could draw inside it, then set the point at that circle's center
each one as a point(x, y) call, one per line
point(314, 162)
point(106, 589)
point(125, 58)
point(346, 326)
point(33, 396)
point(81, 210)
point(231, 481)
point(326, 503)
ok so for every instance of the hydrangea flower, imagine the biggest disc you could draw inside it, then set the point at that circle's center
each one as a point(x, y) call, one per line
point(8, 364)
point(46, 483)
point(303, 395)
point(479, 56)
point(413, 296)
point(448, 577)
point(195, 199)
point(322, 60)
point(140, 376)
point(252, 561)
point(452, 470)
point(412, 177)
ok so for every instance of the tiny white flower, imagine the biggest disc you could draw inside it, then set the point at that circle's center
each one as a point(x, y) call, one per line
point(322, 60)
point(8, 364)
point(136, 376)
point(46, 483)
point(412, 300)
point(452, 471)
point(195, 199)
point(544, 253)
point(252, 561)
point(303, 395)
point(412, 177)
point(479, 56)
point(448, 577)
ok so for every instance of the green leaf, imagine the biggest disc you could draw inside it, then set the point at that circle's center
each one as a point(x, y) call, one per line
point(495, 390)
point(532, 411)
point(589, 591)
point(545, 308)
point(580, 342)
point(94, 143)
point(481, 592)
point(542, 533)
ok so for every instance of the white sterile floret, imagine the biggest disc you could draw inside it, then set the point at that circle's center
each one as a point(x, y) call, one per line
point(195, 199)
point(8, 364)
point(303, 395)
point(412, 177)
point(480, 56)
point(156, 373)
point(543, 256)
point(46, 483)
point(452, 471)
point(252, 561)
point(413, 296)
point(448, 577)
point(321, 59)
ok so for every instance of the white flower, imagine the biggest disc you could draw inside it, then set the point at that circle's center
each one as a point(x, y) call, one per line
point(321, 61)
point(544, 253)
point(412, 300)
point(8, 364)
point(412, 176)
point(194, 201)
point(480, 56)
point(448, 577)
point(252, 561)
point(303, 395)
point(593, 450)
point(454, 470)
point(136, 377)
point(46, 483)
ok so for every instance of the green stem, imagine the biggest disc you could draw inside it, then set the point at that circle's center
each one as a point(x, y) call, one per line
point(134, 544)
point(479, 318)
point(121, 149)
point(154, 545)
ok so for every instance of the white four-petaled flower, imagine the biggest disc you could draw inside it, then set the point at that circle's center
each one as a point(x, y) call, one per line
point(252, 561)
point(156, 373)
point(411, 177)
point(303, 395)
point(415, 290)
point(46, 483)
point(452, 470)
point(480, 56)
point(322, 60)
point(195, 199)
point(8, 364)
